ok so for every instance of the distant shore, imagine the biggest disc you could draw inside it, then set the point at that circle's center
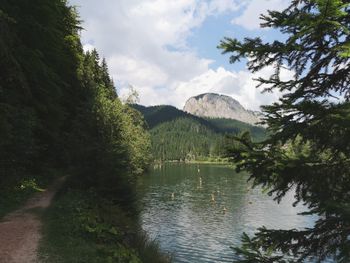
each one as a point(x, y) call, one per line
point(221, 161)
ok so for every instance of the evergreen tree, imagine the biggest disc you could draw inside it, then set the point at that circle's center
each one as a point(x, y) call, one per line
point(39, 87)
point(59, 109)
point(178, 135)
point(309, 149)
point(60, 115)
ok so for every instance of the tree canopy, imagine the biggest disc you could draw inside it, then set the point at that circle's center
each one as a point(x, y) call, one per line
point(308, 151)
point(178, 135)
point(59, 109)
point(60, 115)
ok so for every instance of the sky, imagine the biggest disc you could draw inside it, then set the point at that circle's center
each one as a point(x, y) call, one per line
point(167, 49)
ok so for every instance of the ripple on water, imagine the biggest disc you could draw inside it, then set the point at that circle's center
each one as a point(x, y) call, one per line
point(179, 212)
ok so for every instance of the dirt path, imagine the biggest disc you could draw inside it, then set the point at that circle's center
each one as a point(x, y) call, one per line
point(20, 231)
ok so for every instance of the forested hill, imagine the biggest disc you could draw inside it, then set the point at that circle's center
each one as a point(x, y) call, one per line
point(155, 115)
point(60, 115)
point(178, 135)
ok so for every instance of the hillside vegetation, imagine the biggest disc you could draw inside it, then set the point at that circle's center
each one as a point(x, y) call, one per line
point(60, 115)
point(177, 135)
point(308, 151)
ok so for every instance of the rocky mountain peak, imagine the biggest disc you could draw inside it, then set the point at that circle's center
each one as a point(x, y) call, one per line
point(219, 106)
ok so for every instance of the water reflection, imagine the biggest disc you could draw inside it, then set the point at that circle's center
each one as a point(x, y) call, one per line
point(199, 212)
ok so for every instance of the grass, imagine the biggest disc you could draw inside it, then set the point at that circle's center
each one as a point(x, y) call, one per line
point(81, 227)
point(11, 200)
point(149, 250)
point(15, 192)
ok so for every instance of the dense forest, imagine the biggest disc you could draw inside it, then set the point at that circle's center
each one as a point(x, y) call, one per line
point(177, 135)
point(60, 115)
point(308, 150)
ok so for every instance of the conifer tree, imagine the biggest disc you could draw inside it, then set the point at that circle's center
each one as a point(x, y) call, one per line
point(308, 151)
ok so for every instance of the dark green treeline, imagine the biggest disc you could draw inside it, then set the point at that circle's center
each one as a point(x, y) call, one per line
point(178, 135)
point(60, 115)
point(58, 105)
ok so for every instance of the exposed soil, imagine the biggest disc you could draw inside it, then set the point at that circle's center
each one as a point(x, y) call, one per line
point(20, 231)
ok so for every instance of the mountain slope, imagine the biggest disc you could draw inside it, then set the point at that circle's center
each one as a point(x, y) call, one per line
point(155, 115)
point(230, 126)
point(219, 106)
point(184, 139)
point(177, 135)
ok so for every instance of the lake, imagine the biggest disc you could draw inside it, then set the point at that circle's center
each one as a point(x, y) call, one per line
point(198, 212)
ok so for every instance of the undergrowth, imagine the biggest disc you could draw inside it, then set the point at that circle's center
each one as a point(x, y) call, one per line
point(14, 193)
point(82, 227)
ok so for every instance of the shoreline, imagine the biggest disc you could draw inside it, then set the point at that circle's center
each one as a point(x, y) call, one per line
point(217, 162)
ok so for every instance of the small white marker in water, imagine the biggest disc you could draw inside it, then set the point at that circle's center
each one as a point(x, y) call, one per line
point(172, 195)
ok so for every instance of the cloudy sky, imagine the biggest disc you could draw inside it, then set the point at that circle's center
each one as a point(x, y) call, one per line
point(167, 49)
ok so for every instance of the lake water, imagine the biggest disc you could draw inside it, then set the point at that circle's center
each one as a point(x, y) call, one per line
point(197, 212)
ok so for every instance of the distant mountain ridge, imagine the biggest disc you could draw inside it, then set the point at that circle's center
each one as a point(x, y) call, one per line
point(155, 115)
point(214, 105)
point(178, 135)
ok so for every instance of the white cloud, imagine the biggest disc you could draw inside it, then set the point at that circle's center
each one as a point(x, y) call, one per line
point(145, 44)
point(238, 84)
point(250, 19)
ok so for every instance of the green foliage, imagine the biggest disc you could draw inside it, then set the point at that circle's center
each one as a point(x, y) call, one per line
point(11, 197)
point(139, 140)
point(183, 139)
point(59, 111)
point(115, 145)
point(156, 115)
point(37, 72)
point(308, 149)
point(98, 231)
point(177, 135)
point(90, 236)
point(230, 126)
point(252, 252)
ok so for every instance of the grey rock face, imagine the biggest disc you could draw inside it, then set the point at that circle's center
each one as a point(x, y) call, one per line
point(220, 106)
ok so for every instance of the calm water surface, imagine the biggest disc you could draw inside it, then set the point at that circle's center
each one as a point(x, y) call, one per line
point(197, 212)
